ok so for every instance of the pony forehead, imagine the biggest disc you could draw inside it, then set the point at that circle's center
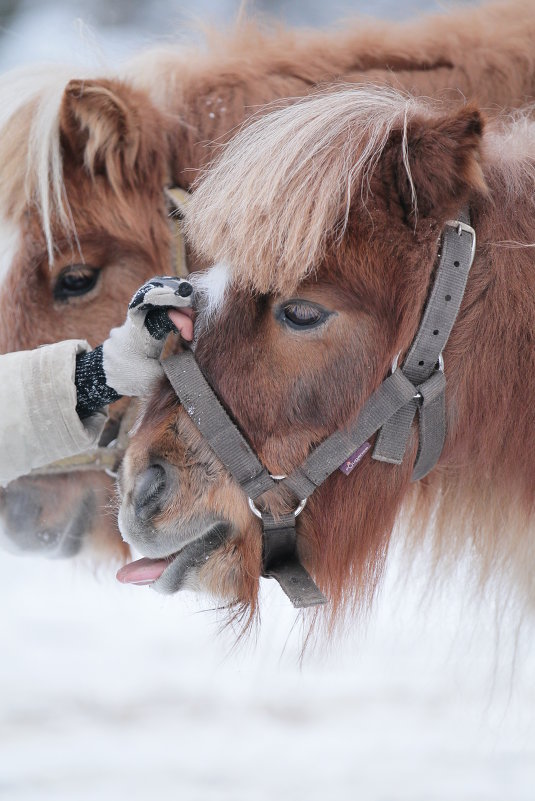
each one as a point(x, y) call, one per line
point(283, 186)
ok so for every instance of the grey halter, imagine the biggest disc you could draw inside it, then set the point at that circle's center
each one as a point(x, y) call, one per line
point(418, 387)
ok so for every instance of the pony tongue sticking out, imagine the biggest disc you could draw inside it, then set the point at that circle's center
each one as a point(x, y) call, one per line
point(329, 216)
point(142, 571)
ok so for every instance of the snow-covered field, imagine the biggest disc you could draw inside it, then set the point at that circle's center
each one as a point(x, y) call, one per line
point(112, 692)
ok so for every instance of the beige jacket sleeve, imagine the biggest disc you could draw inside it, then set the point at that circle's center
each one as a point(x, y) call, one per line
point(38, 419)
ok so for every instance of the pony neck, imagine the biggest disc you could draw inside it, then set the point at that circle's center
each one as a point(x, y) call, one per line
point(219, 88)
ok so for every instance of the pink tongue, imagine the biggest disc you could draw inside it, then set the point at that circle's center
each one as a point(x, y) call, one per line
point(142, 571)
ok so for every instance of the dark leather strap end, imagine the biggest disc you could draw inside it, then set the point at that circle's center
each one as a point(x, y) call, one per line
point(297, 584)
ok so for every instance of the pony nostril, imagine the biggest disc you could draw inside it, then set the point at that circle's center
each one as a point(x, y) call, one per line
point(147, 491)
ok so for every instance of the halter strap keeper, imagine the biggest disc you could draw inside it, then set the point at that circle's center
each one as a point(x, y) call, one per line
point(420, 365)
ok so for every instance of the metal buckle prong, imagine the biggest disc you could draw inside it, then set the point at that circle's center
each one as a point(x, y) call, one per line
point(462, 227)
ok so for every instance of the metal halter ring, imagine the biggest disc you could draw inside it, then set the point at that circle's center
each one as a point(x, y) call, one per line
point(440, 367)
point(112, 472)
point(256, 511)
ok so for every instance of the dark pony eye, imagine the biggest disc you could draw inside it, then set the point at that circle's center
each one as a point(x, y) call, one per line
point(302, 314)
point(75, 280)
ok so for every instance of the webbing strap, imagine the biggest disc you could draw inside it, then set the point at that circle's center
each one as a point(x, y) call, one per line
point(296, 583)
point(178, 199)
point(456, 256)
point(417, 387)
point(430, 403)
point(432, 419)
point(393, 394)
point(281, 561)
point(204, 408)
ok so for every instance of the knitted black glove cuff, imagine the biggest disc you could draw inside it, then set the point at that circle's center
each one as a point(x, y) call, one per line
point(91, 389)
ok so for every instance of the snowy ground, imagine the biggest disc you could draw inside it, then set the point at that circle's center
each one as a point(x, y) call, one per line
point(111, 692)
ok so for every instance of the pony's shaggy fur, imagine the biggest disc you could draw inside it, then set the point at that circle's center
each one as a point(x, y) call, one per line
point(205, 91)
point(484, 53)
point(373, 260)
point(271, 217)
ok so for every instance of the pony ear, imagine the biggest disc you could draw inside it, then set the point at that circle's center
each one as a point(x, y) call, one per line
point(101, 128)
point(442, 158)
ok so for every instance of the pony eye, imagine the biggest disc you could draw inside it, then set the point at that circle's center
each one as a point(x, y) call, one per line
point(75, 280)
point(302, 314)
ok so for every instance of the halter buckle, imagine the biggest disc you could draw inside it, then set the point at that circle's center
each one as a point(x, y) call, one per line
point(461, 228)
point(418, 395)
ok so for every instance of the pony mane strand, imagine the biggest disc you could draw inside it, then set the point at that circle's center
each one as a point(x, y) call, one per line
point(283, 185)
point(30, 153)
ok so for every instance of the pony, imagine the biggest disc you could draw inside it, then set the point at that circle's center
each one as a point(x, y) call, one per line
point(324, 222)
point(84, 219)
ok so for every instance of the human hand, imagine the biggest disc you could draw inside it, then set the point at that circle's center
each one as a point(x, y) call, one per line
point(132, 351)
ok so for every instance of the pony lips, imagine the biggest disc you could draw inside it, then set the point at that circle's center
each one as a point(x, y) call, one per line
point(169, 573)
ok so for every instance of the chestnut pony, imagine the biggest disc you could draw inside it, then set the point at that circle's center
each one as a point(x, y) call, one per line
point(84, 220)
point(324, 221)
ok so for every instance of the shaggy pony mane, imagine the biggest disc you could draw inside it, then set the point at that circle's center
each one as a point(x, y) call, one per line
point(282, 188)
point(30, 152)
point(272, 201)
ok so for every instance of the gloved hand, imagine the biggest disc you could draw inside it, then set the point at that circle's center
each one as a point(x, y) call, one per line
point(127, 363)
point(131, 353)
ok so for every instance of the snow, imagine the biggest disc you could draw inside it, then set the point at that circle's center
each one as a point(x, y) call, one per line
point(115, 692)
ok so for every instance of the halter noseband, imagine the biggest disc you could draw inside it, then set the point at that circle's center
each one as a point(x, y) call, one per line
point(416, 387)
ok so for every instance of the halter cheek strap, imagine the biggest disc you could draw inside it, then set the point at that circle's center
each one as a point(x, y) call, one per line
point(178, 200)
point(417, 387)
point(420, 366)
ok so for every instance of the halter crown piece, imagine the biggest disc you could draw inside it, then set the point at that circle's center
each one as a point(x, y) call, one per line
point(418, 387)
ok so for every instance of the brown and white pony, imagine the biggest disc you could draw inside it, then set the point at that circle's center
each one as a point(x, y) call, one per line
point(83, 216)
point(324, 220)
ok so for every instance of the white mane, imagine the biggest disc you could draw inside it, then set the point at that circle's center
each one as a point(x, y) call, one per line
point(30, 153)
point(269, 204)
point(282, 188)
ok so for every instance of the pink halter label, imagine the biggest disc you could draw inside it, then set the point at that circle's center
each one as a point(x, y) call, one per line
point(355, 459)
